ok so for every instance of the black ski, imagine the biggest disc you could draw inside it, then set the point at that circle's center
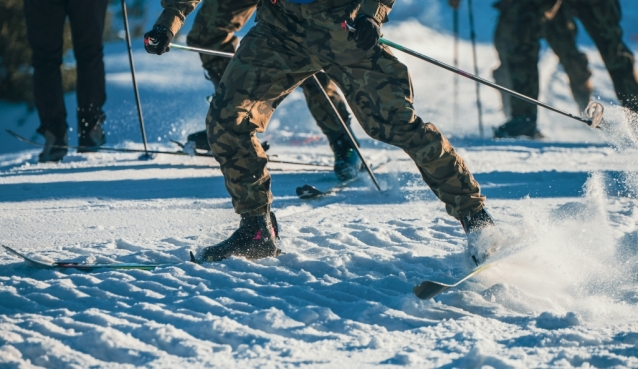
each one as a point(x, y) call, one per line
point(311, 192)
point(179, 153)
point(84, 267)
point(430, 289)
point(264, 145)
point(102, 148)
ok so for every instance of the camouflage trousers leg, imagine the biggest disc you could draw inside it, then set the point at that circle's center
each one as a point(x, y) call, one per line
point(601, 19)
point(255, 82)
point(321, 110)
point(384, 107)
point(258, 78)
point(523, 59)
point(214, 27)
point(503, 43)
point(560, 32)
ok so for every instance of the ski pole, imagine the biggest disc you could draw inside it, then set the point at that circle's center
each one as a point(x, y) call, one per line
point(476, 71)
point(594, 110)
point(202, 51)
point(325, 94)
point(178, 153)
point(147, 154)
point(347, 129)
point(455, 25)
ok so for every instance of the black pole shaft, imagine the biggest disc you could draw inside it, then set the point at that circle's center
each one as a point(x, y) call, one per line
point(325, 94)
point(130, 59)
point(348, 131)
point(476, 71)
point(480, 80)
point(455, 25)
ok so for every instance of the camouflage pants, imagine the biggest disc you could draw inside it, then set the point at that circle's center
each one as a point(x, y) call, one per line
point(601, 20)
point(214, 27)
point(291, 43)
point(560, 32)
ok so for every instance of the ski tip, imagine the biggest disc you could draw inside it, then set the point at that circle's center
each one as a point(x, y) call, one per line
point(193, 258)
point(428, 290)
point(181, 145)
point(308, 192)
point(10, 250)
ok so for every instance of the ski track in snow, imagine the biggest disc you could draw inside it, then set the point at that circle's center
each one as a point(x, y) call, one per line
point(563, 292)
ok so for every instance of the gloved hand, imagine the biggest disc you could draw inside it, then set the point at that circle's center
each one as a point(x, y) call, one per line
point(367, 32)
point(454, 3)
point(157, 40)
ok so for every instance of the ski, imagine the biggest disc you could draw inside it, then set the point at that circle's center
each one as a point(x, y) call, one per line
point(102, 148)
point(83, 267)
point(190, 145)
point(179, 153)
point(311, 192)
point(430, 289)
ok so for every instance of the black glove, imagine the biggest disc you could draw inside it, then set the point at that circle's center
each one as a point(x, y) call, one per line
point(157, 40)
point(367, 32)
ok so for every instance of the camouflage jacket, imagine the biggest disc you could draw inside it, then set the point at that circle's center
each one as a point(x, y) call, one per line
point(175, 11)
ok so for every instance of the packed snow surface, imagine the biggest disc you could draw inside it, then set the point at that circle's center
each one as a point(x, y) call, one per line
point(562, 293)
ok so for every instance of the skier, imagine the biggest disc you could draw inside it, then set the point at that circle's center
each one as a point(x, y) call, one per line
point(559, 30)
point(45, 26)
point(600, 18)
point(215, 24)
point(292, 40)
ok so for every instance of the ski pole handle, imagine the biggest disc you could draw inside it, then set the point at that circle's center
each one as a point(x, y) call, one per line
point(347, 26)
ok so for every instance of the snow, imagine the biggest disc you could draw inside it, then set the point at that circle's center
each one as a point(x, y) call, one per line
point(563, 292)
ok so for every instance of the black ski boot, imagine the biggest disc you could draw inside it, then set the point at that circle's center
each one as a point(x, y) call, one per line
point(347, 163)
point(473, 225)
point(90, 132)
point(256, 238)
point(200, 139)
point(54, 145)
point(523, 126)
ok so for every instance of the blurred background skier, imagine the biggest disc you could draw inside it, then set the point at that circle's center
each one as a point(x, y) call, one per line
point(215, 23)
point(521, 26)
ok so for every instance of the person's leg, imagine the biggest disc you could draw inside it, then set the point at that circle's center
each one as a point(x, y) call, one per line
point(523, 67)
point(384, 107)
point(503, 42)
point(215, 23)
point(523, 61)
point(560, 33)
point(601, 19)
point(45, 28)
point(87, 26)
point(254, 83)
point(214, 27)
